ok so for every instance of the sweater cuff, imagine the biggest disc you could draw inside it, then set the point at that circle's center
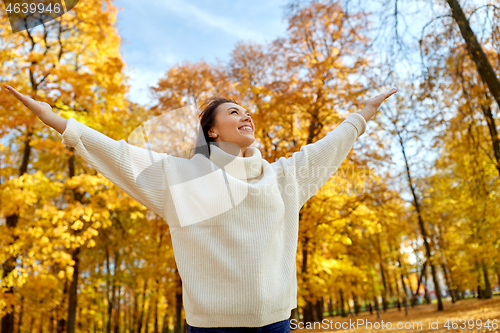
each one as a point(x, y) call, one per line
point(72, 133)
point(358, 121)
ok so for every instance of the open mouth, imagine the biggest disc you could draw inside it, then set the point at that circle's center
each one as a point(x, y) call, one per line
point(245, 128)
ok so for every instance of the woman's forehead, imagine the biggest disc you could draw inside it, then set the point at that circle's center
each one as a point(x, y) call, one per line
point(226, 106)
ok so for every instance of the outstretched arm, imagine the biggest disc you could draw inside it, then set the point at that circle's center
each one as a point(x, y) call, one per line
point(137, 171)
point(307, 170)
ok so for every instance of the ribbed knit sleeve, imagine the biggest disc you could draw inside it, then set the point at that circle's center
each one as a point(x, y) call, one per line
point(310, 168)
point(137, 171)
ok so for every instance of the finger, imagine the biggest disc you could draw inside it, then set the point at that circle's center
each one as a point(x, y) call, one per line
point(16, 93)
point(13, 91)
point(392, 91)
point(26, 100)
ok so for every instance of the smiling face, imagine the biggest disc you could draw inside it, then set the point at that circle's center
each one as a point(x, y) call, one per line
point(233, 124)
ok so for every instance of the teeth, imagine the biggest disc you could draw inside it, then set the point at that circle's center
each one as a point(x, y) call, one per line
point(246, 128)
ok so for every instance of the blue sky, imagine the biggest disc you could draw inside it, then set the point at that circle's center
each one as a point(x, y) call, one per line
point(159, 34)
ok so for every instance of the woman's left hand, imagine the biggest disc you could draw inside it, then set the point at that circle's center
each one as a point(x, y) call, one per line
point(372, 104)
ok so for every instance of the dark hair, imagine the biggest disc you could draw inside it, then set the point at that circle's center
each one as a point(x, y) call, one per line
point(207, 120)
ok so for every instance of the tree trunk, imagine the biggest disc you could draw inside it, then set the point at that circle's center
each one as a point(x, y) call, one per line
point(484, 68)
point(135, 312)
point(487, 286)
point(178, 306)
point(109, 295)
point(398, 291)
point(165, 328)
point(330, 305)
point(320, 308)
point(488, 75)
point(342, 308)
point(148, 316)
point(141, 316)
point(384, 295)
point(51, 324)
point(178, 309)
point(423, 230)
point(389, 285)
point(72, 302)
point(32, 323)
point(419, 282)
point(451, 289)
point(156, 306)
point(116, 328)
point(21, 312)
point(61, 322)
point(492, 127)
point(165, 324)
point(116, 293)
point(447, 275)
point(309, 311)
point(498, 274)
point(11, 223)
point(7, 268)
point(377, 306)
point(405, 289)
point(127, 316)
point(73, 289)
point(426, 294)
point(295, 314)
point(356, 304)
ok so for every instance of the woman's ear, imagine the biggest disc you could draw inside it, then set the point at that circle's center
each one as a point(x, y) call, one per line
point(212, 134)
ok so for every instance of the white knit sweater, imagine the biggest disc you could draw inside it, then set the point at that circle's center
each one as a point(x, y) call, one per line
point(233, 220)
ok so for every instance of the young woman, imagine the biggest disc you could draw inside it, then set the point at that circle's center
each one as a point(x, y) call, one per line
point(233, 216)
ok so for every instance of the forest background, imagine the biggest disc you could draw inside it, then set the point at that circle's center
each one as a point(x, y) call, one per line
point(413, 210)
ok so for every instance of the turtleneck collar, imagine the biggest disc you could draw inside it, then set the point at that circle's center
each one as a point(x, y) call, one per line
point(243, 168)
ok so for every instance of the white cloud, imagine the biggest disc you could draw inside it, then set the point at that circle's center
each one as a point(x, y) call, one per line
point(140, 80)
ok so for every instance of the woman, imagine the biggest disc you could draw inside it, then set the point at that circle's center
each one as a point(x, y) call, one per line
point(233, 216)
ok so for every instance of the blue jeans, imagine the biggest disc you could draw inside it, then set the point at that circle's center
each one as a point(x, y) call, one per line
point(278, 327)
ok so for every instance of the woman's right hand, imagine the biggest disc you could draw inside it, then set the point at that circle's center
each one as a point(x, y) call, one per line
point(40, 109)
